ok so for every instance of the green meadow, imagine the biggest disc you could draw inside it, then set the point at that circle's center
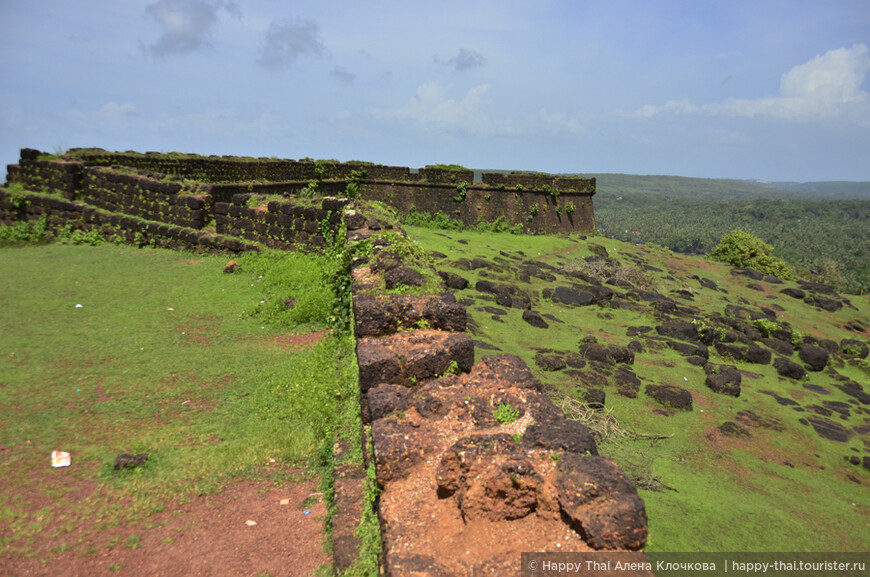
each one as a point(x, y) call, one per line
point(111, 349)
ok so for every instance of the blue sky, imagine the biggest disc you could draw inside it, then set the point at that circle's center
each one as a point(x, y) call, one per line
point(774, 90)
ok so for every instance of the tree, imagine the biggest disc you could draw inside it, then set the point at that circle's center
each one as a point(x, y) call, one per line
point(742, 249)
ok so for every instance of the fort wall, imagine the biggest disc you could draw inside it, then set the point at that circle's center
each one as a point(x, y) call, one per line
point(184, 189)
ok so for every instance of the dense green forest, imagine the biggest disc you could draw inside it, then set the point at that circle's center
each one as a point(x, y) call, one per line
point(820, 229)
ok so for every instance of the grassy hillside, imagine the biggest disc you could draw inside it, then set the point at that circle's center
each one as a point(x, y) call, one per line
point(727, 473)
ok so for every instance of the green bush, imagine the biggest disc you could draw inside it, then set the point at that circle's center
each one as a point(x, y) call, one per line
point(742, 249)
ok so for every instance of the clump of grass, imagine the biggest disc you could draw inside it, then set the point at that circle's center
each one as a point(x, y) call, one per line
point(506, 414)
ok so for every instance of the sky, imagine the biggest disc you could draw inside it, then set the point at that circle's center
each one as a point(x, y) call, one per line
point(758, 89)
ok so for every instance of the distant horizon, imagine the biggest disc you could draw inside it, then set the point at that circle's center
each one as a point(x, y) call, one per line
point(476, 170)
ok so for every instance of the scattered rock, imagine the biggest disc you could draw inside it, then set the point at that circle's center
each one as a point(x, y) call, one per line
point(597, 249)
point(560, 435)
point(289, 303)
point(453, 280)
point(594, 398)
point(601, 502)
point(402, 275)
point(535, 319)
point(815, 357)
point(794, 293)
point(779, 346)
point(787, 368)
point(723, 379)
point(671, 396)
point(679, 330)
point(607, 354)
point(853, 389)
point(128, 461)
point(828, 429)
point(824, 303)
point(751, 354)
point(748, 272)
point(572, 296)
point(550, 362)
point(628, 384)
point(732, 429)
point(690, 349)
point(750, 419)
point(231, 266)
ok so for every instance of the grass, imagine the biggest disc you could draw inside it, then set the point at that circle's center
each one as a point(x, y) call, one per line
point(776, 491)
point(168, 356)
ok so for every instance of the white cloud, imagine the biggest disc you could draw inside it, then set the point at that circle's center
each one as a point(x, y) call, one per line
point(433, 108)
point(186, 24)
point(286, 40)
point(826, 87)
point(557, 123)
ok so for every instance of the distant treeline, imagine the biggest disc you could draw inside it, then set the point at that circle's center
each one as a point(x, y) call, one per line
point(827, 240)
point(727, 189)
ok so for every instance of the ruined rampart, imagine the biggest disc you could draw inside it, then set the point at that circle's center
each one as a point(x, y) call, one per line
point(183, 189)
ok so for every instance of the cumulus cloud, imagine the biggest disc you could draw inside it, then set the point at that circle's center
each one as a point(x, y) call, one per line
point(465, 60)
point(187, 24)
point(827, 86)
point(286, 40)
point(343, 75)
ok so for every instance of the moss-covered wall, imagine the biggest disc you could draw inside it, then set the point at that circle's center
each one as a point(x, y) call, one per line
point(185, 189)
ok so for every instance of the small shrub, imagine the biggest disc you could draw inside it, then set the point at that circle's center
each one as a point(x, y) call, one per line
point(452, 368)
point(461, 191)
point(767, 327)
point(17, 195)
point(505, 413)
point(569, 207)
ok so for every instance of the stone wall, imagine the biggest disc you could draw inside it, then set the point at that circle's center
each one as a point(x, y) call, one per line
point(540, 203)
point(464, 490)
point(280, 223)
point(145, 197)
point(536, 211)
point(59, 212)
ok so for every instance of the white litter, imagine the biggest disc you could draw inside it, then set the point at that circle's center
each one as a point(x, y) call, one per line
point(78, 306)
point(250, 523)
point(60, 459)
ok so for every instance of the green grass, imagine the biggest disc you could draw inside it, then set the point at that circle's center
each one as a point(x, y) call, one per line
point(169, 356)
point(714, 493)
